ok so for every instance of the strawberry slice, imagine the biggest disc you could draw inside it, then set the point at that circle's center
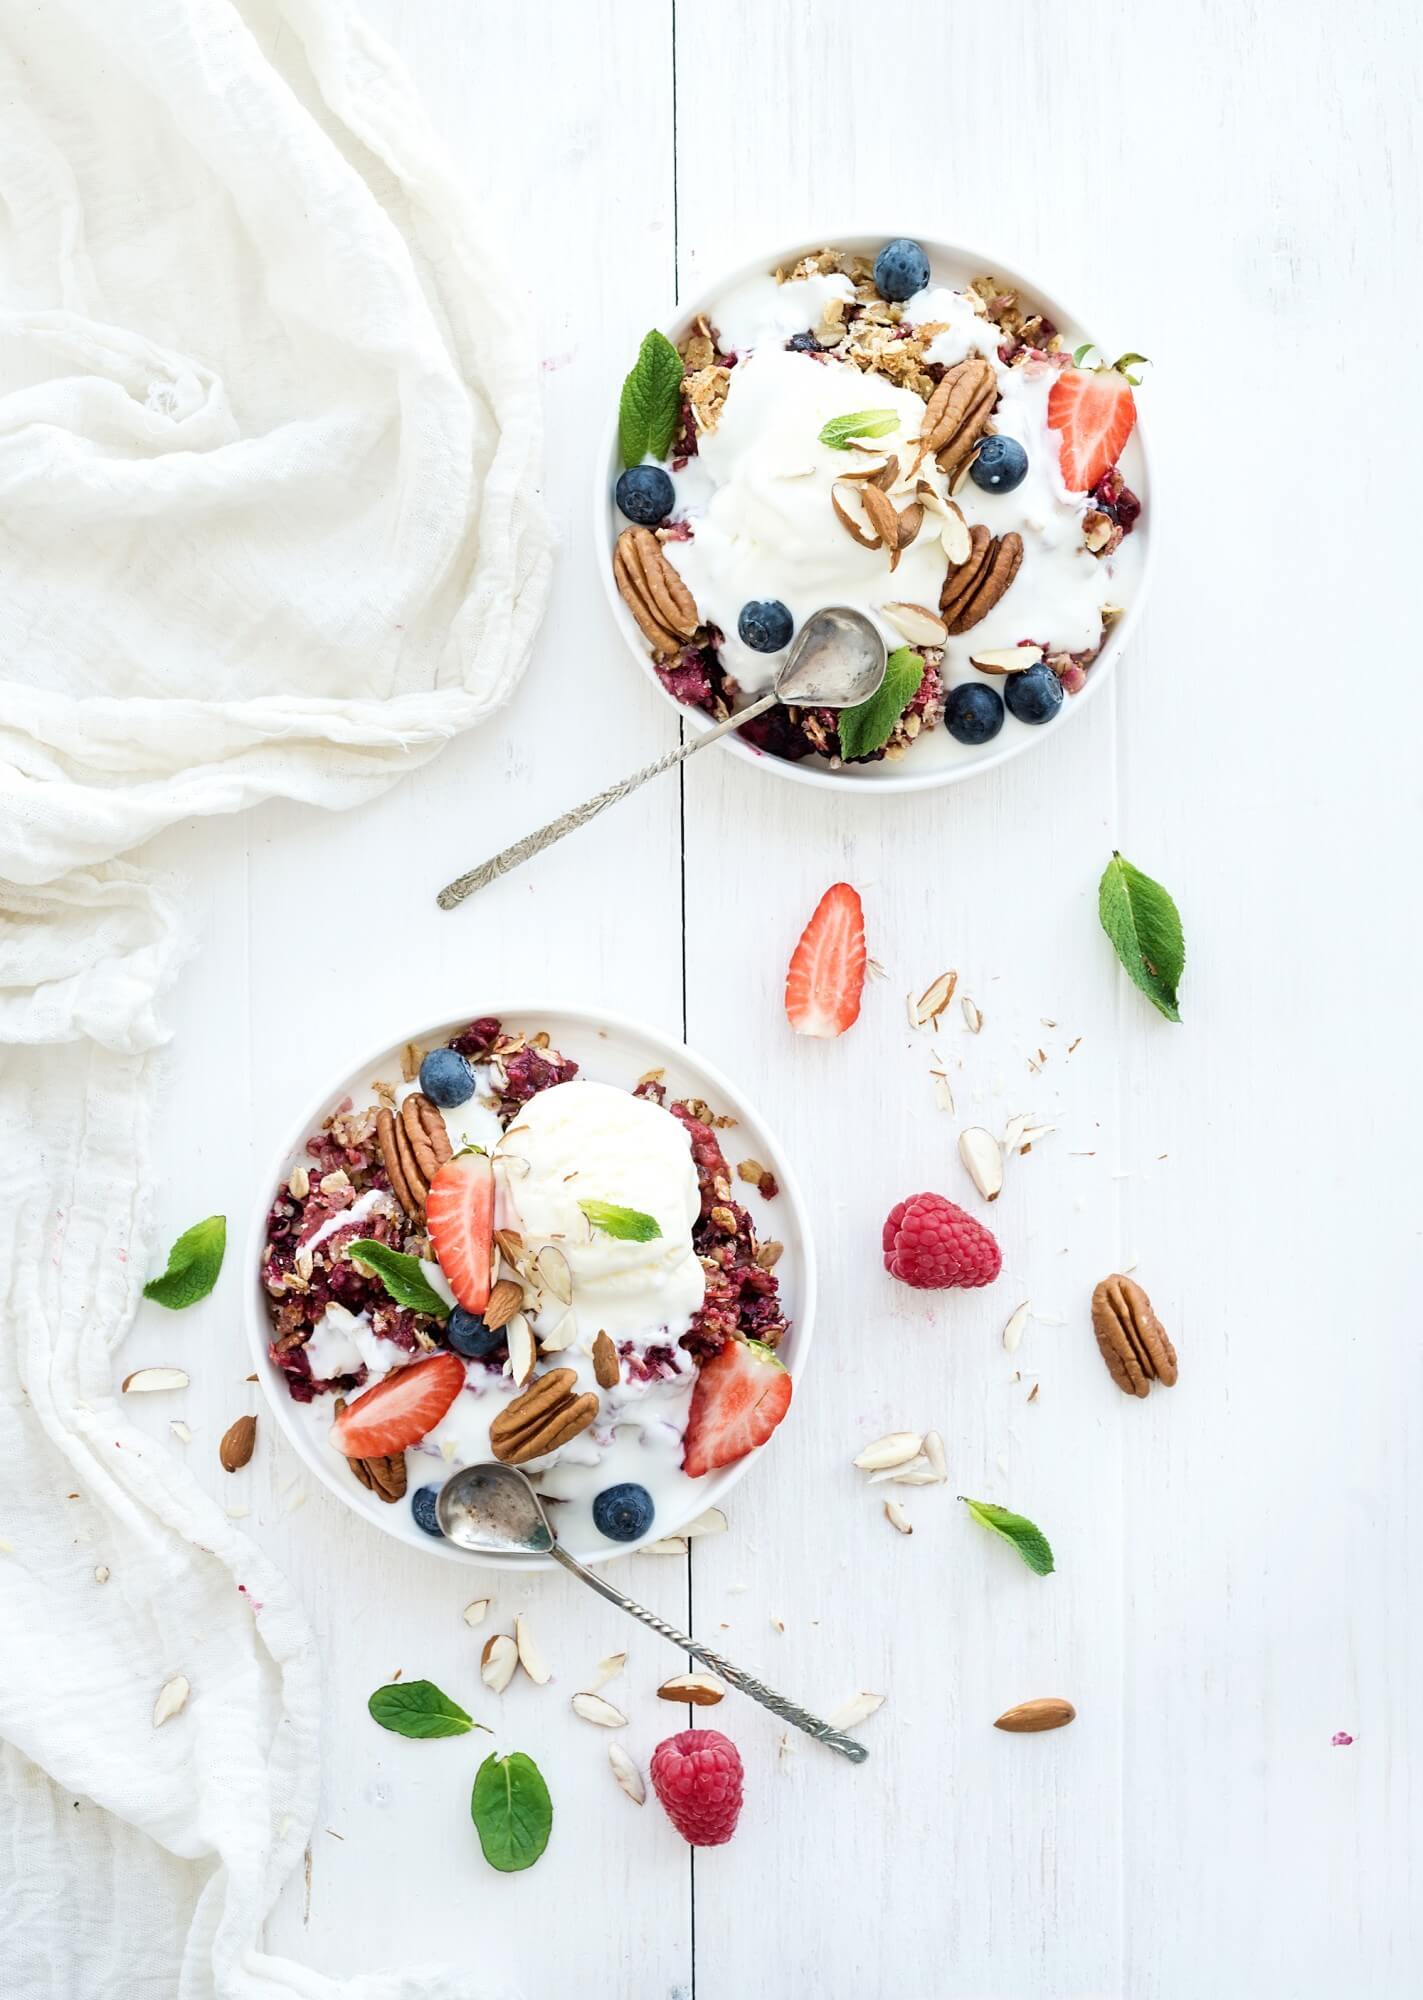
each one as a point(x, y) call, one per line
point(401, 1410)
point(459, 1215)
point(827, 969)
point(741, 1395)
point(1094, 410)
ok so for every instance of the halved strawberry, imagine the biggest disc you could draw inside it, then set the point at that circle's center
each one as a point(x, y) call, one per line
point(459, 1214)
point(401, 1410)
point(1095, 411)
point(741, 1395)
point(827, 969)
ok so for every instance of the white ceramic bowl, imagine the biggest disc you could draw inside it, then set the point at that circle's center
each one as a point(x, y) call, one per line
point(608, 1049)
point(933, 759)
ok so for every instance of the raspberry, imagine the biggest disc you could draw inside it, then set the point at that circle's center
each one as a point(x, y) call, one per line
point(697, 1776)
point(931, 1244)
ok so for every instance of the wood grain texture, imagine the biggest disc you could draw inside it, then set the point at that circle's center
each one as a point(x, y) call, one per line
point(1235, 191)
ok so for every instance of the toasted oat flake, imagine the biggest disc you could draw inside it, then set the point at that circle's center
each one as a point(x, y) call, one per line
point(983, 1158)
point(627, 1774)
point(898, 1448)
point(172, 1697)
point(750, 1170)
point(925, 1011)
point(768, 1255)
point(897, 1518)
point(1017, 1323)
point(859, 1708)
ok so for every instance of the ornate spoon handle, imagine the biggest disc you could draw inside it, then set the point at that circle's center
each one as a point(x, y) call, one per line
point(454, 893)
point(733, 1676)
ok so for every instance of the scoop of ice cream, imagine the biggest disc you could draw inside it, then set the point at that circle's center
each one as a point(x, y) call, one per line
point(589, 1142)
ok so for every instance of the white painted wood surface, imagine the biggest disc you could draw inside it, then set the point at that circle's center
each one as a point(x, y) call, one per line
point(1235, 190)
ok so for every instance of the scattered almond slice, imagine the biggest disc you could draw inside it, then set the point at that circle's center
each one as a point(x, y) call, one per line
point(147, 1381)
point(934, 1452)
point(476, 1612)
point(102, 1573)
point(180, 1430)
point(552, 1273)
point(562, 1336)
point(925, 1011)
point(1031, 1134)
point(847, 520)
point(702, 1690)
point(957, 542)
point(172, 1697)
point(498, 1662)
point(898, 1448)
point(522, 1350)
point(1008, 660)
point(1013, 1331)
point(859, 1708)
point(670, 1545)
point(530, 1658)
point(894, 1474)
point(593, 1708)
point(983, 1157)
point(920, 626)
point(1017, 1126)
point(897, 1518)
point(973, 1019)
point(713, 1522)
point(608, 1670)
point(627, 1774)
point(943, 1089)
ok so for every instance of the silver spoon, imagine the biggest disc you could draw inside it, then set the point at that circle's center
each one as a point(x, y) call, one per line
point(492, 1510)
point(837, 659)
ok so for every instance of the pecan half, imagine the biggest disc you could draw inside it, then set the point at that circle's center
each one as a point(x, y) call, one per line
point(385, 1477)
point(425, 1129)
point(414, 1146)
point(972, 588)
point(545, 1416)
point(957, 413)
point(652, 590)
point(1134, 1343)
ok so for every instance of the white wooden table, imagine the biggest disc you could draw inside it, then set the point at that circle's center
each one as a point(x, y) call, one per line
point(1233, 191)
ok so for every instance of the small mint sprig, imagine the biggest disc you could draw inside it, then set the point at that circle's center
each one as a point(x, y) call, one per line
point(869, 725)
point(1122, 366)
point(1028, 1539)
point(1144, 925)
point(420, 1709)
point(651, 402)
point(403, 1277)
point(630, 1225)
point(193, 1266)
point(512, 1811)
point(840, 433)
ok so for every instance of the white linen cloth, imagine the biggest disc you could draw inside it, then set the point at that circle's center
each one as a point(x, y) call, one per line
point(268, 525)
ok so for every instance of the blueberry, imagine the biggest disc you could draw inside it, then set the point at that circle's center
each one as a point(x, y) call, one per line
point(469, 1336)
point(422, 1506)
point(1001, 464)
point(804, 343)
point(446, 1078)
point(1035, 696)
point(765, 628)
point(901, 269)
point(622, 1513)
point(644, 493)
point(973, 713)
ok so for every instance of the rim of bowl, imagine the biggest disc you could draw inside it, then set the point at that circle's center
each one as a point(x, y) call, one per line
point(937, 249)
point(259, 1324)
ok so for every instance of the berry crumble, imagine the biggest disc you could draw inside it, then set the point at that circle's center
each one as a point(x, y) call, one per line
point(848, 430)
point(496, 1257)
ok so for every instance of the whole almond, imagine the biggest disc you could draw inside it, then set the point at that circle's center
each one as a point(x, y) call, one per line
point(505, 1300)
point(606, 1369)
point(238, 1442)
point(1048, 1712)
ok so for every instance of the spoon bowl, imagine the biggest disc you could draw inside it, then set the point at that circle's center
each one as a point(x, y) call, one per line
point(837, 660)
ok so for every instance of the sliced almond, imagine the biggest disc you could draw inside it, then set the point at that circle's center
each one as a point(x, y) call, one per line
point(1011, 660)
point(530, 1658)
point(180, 1430)
point(973, 1019)
point(593, 1708)
point(879, 510)
point(925, 1011)
point(102, 1573)
point(670, 1545)
point(902, 1475)
point(1047, 1712)
point(146, 1381)
point(1013, 1331)
point(560, 1336)
point(859, 1708)
point(704, 1690)
point(1031, 1134)
point(505, 1300)
point(627, 1774)
point(608, 1670)
point(983, 1157)
point(897, 1518)
point(934, 1452)
point(511, 1247)
point(172, 1696)
point(498, 1661)
point(898, 1448)
point(866, 540)
point(522, 1351)
point(477, 1610)
point(911, 520)
point(1017, 1126)
point(552, 1273)
point(917, 624)
point(713, 1522)
point(958, 544)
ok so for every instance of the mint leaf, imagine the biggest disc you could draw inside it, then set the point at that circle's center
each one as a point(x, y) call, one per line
point(1145, 928)
point(512, 1811)
point(1079, 354)
point(840, 432)
point(651, 402)
point(402, 1276)
point(870, 724)
point(418, 1708)
point(628, 1224)
point(193, 1265)
point(1030, 1542)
